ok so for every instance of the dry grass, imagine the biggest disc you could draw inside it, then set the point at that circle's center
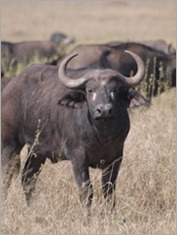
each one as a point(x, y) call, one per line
point(146, 187)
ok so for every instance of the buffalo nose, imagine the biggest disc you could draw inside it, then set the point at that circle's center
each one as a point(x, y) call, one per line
point(103, 111)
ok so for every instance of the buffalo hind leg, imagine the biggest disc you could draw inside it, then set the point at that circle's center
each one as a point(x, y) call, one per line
point(30, 173)
point(81, 172)
point(109, 177)
point(10, 160)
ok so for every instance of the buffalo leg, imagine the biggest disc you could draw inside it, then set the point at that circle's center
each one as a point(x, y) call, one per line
point(30, 173)
point(10, 160)
point(109, 177)
point(81, 172)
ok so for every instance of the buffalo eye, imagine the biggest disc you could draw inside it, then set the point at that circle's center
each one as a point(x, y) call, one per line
point(90, 91)
point(112, 94)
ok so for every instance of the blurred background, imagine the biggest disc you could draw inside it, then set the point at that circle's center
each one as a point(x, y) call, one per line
point(89, 21)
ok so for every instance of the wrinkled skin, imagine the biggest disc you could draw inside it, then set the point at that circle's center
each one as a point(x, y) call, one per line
point(86, 125)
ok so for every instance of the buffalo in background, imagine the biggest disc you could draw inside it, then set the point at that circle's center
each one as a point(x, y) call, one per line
point(159, 57)
point(16, 56)
point(159, 44)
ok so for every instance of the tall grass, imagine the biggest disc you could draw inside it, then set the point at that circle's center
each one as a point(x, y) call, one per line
point(145, 188)
point(153, 85)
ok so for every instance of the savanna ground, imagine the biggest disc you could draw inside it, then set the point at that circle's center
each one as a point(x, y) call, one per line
point(146, 186)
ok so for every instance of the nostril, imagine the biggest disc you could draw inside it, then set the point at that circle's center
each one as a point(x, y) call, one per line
point(99, 109)
point(110, 111)
point(103, 111)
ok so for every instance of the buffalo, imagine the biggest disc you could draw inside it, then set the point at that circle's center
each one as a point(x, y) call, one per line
point(63, 114)
point(16, 56)
point(4, 82)
point(61, 39)
point(159, 44)
point(159, 57)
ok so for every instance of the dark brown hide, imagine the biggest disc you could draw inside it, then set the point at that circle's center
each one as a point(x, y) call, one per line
point(86, 125)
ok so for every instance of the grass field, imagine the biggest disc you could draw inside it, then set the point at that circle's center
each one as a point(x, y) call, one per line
point(146, 186)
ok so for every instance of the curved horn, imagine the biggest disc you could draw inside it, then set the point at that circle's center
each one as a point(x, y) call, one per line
point(69, 82)
point(138, 77)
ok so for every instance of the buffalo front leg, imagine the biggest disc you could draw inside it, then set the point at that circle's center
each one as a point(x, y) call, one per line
point(30, 173)
point(109, 177)
point(81, 173)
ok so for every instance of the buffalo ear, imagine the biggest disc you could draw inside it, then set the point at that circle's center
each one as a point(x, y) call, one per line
point(134, 99)
point(72, 100)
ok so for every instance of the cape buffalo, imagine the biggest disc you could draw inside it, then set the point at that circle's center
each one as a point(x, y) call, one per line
point(16, 56)
point(4, 82)
point(77, 115)
point(61, 39)
point(159, 45)
point(159, 59)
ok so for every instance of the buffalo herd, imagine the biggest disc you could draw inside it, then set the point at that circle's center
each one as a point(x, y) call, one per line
point(73, 106)
point(158, 56)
